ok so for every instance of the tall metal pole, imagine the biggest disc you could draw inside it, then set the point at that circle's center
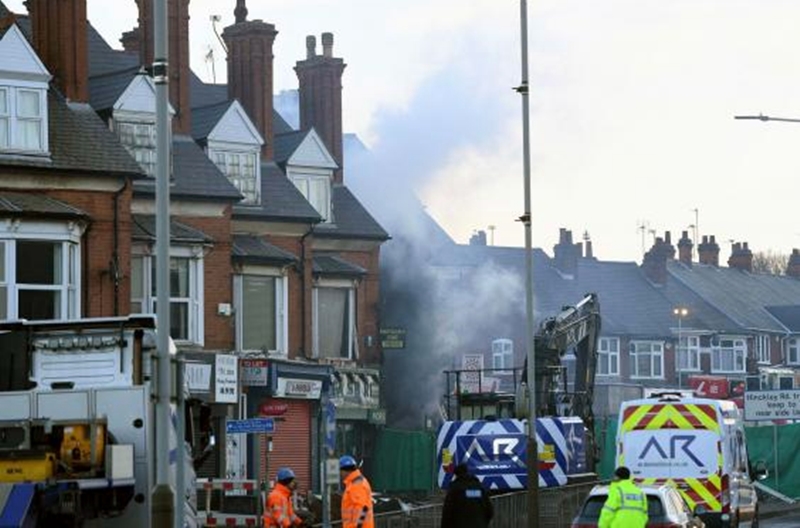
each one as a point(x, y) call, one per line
point(532, 447)
point(686, 359)
point(163, 495)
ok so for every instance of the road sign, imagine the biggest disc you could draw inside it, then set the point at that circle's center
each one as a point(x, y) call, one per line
point(330, 427)
point(252, 425)
point(772, 405)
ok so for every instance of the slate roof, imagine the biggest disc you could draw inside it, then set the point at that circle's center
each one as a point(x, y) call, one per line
point(788, 316)
point(280, 200)
point(250, 248)
point(205, 118)
point(79, 141)
point(286, 144)
point(350, 219)
point(35, 205)
point(103, 59)
point(206, 94)
point(106, 89)
point(333, 265)
point(144, 228)
point(194, 175)
point(740, 295)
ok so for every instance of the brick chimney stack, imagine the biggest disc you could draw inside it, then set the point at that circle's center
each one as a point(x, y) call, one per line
point(793, 266)
point(685, 249)
point(566, 253)
point(708, 251)
point(59, 38)
point(132, 41)
point(320, 80)
point(179, 67)
point(250, 71)
point(655, 260)
point(741, 257)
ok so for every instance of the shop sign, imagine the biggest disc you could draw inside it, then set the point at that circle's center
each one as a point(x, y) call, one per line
point(393, 338)
point(299, 388)
point(227, 378)
point(377, 416)
point(254, 372)
point(198, 376)
point(272, 409)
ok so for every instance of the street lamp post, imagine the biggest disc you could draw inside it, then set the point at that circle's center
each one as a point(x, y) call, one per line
point(680, 312)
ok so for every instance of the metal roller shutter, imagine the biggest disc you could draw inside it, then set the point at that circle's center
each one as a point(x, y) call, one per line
point(291, 444)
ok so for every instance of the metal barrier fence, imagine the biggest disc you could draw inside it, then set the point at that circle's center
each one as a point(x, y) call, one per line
point(557, 508)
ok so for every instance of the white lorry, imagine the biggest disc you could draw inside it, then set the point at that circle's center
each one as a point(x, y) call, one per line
point(696, 444)
point(77, 424)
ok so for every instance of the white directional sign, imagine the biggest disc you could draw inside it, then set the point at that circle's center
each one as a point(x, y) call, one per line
point(772, 405)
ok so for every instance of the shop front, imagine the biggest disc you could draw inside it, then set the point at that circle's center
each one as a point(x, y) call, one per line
point(291, 397)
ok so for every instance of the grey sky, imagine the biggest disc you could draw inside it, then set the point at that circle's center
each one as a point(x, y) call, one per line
point(632, 108)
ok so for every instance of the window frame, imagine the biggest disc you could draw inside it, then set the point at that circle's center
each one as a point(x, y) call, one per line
point(241, 152)
point(195, 301)
point(654, 355)
point(505, 354)
point(302, 181)
point(793, 343)
point(281, 307)
point(344, 284)
point(763, 344)
point(13, 119)
point(122, 119)
point(738, 348)
point(603, 350)
point(691, 349)
point(66, 235)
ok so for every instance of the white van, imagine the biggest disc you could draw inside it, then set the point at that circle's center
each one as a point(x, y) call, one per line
point(696, 444)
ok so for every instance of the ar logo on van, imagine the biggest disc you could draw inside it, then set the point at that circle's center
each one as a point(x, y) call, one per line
point(684, 440)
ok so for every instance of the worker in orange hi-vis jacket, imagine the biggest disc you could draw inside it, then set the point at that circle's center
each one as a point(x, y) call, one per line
point(357, 496)
point(279, 511)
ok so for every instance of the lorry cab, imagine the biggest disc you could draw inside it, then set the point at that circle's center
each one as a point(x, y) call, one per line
point(696, 444)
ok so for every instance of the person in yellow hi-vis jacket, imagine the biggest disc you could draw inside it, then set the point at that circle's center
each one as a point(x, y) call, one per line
point(626, 505)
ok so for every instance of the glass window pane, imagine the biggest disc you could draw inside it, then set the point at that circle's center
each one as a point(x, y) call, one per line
point(3, 132)
point(258, 318)
point(2, 262)
point(39, 304)
point(179, 320)
point(137, 277)
point(3, 101)
point(3, 302)
point(179, 277)
point(39, 262)
point(30, 134)
point(27, 103)
point(332, 310)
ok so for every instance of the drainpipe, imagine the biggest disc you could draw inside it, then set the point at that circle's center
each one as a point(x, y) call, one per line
point(116, 275)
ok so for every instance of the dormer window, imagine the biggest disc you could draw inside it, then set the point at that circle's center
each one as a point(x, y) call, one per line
point(23, 125)
point(139, 138)
point(242, 170)
point(316, 188)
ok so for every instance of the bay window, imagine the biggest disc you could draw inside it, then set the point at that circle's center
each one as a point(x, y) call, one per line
point(139, 139)
point(23, 119)
point(316, 188)
point(688, 358)
point(185, 292)
point(243, 171)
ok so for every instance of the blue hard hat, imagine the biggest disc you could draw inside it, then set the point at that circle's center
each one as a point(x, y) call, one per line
point(285, 474)
point(347, 462)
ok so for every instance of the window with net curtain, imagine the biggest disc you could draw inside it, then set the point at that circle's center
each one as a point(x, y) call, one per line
point(259, 314)
point(333, 322)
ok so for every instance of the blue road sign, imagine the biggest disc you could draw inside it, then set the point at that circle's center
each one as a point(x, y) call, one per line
point(330, 427)
point(252, 425)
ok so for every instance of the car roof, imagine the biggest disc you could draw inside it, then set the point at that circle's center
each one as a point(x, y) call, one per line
point(652, 489)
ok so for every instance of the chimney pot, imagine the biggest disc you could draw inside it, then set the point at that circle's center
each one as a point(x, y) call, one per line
point(744, 246)
point(712, 239)
point(705, 239)
point(327, 44)
point(311, 46)
point(684, 234)
point(667, 237)
point(240, 12)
